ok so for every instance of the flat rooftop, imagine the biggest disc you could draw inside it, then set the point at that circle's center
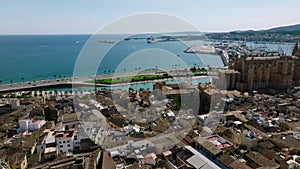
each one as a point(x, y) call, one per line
point(50, 150)
point(218, 141)
point(200, 161)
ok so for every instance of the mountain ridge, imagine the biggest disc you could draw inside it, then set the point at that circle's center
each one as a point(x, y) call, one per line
point(281, 29)
point(287, 28)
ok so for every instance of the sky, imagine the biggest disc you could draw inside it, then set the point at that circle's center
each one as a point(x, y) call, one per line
point(88, 16)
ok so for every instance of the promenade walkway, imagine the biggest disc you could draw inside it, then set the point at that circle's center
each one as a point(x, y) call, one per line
point(79, 81)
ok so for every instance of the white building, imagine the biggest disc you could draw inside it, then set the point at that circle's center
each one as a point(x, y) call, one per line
point(131, 147)
point(15, 104)
point(64, 142)
point(202, 118)
point(30, 125)
point(61, 141)
point(67, 141)
point(46, 142)
point(292, 163)
point(296, 133)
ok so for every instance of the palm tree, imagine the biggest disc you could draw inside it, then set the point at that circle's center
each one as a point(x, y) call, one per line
point(95, 84)
point(156, 67)
point(54, 76)
point(0, 81)
point(55, 92)
point(22, 78)
point(11, 81)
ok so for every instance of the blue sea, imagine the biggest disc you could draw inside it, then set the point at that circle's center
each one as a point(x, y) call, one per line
point(37, 57)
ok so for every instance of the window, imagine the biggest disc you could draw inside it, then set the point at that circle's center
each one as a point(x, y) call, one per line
point(280, 68)
point(68, 145)
point(64, 141)
point(289, 70)
point(60, 146)
point(68, 141)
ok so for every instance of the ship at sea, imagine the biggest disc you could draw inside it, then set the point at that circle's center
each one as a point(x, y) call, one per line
point(167, 39)
point(151, 40)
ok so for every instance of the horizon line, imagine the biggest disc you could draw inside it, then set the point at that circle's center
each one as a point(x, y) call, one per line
point(205, 32)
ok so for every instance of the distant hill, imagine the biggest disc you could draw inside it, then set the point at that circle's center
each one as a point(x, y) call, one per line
point(282, 29)
point(279, 34)
point(289, 28)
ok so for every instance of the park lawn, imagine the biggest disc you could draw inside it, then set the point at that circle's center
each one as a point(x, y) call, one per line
point(127, 79)
point(199, 72)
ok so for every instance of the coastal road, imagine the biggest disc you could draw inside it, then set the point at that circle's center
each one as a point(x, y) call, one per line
point(61, 82)
point(66, 82)
point(76, 81)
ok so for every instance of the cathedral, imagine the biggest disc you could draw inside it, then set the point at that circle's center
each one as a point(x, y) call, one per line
point(258, 73)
